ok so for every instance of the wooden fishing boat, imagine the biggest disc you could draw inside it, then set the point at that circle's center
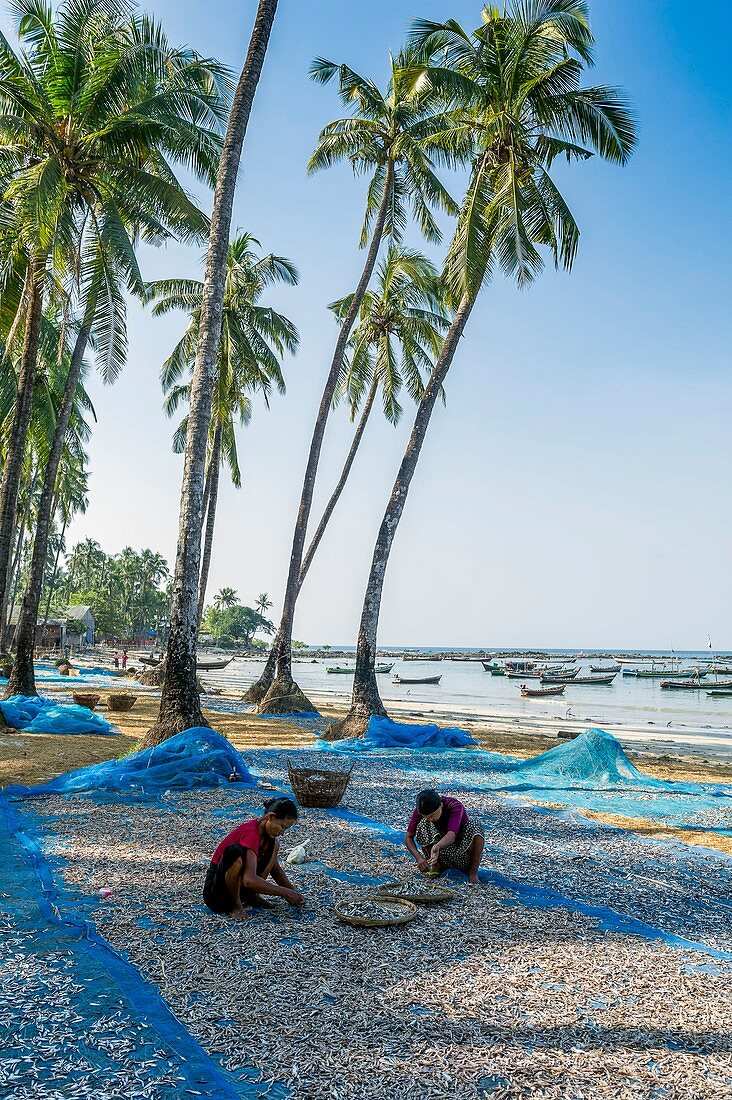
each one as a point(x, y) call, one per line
point(498, 672)
point(570, 674)
point(211, 666)
point(695, 684)
point(530, 675)
point(722, 691)
point(337, 670)
point(201, 666)
point(531, 693)
point(663, 673)
point(608, 679)
point(491, 666)
point(519, 666)
point(419, 680)
point(604, 668)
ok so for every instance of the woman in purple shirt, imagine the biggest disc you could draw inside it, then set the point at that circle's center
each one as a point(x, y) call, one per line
point(447, 836)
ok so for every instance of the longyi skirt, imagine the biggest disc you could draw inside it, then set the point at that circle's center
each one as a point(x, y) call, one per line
point(457, 854)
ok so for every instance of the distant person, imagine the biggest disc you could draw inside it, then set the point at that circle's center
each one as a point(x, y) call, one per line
point(115, 658)
point(246, 860)
point(447, 835)
point(124, 659)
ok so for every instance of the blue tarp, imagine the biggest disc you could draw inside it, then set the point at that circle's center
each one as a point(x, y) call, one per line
point(198, 757)
point(35, 714)
point(383, 733)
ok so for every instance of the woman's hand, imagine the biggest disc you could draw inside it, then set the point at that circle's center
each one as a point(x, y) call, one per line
point(294, 897)
point(422, 864)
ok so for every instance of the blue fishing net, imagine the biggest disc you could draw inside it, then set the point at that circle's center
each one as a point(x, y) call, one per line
point(34, 714)
point(383, 733)
point(198, 757)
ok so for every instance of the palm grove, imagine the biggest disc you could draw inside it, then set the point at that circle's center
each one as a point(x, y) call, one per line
point(98, 112)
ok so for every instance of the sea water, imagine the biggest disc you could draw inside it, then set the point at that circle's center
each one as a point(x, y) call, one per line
point(467, 689)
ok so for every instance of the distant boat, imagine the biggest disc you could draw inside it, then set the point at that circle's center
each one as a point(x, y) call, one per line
point(608, 679)
point(531, 693)
point(337, 670)
point(491, 666)
point(498, 672)
point(663, 673)
point(422, 657)
point(531, 674)
point(604, 668)
point(695, 684)
point(201, 666)
point(519, 666)
point(420, 680)
point(560, 677)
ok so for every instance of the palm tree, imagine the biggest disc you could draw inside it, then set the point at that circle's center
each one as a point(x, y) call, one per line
point(180, 706)
point(263, 604)
point(517, 103)
point(254, 337)
point(386, 136)
point(92, 118)
point(225, 598)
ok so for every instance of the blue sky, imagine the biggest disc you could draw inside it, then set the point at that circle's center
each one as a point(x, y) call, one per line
point(576, 490)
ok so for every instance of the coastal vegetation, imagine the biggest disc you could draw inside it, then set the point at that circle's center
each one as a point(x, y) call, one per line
point(90, 155)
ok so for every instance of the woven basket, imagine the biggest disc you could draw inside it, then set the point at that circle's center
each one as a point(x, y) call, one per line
point(121, 702)
point(318, 786)
point(85, 699)
point(410, 912)
point(420, 895)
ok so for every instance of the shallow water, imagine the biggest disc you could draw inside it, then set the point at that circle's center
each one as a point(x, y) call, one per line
point(465, 688)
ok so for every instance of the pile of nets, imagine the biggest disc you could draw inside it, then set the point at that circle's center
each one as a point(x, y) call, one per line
point(35, 714)
point(198, 757)
point(383, 733)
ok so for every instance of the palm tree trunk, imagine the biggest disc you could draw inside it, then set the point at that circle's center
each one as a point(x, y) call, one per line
point(22, 681)
point(21, 421)
point(340, 486)
point(180, 707)
point(259, 689)
point(277, 700)
point(12, 585)
point(366, 700)
point(54, 575)
point(213, 487)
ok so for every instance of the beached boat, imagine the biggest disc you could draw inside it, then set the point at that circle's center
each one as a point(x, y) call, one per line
point(201, 666)
point(416, 680)
point(531, 693)
point(337, 670)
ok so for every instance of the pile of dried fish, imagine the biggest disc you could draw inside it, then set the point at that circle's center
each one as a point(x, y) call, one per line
point(420, 890)
point(487, 997)
point(375, 911)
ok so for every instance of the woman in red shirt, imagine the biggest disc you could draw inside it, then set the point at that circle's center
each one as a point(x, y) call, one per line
point(448, 837)
point(246, 859)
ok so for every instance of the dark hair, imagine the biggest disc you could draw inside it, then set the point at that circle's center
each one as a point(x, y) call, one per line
point(428, 802)
point(281, 808)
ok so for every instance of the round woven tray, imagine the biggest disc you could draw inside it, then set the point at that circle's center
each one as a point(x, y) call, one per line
point(121, 702)
point(410, 912)
point(427, 894)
